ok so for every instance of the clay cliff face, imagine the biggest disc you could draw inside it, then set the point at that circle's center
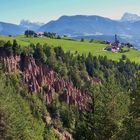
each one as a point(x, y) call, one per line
point(36, 75)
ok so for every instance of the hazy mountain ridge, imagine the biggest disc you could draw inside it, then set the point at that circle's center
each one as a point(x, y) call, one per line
point(79, 25)
point(128, 27)
point(10, 29)
point(14, 29)
point(82, 25)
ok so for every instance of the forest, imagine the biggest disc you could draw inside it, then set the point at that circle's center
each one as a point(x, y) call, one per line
point(113, 89)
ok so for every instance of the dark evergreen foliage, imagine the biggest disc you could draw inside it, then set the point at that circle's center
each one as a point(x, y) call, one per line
point(114, 88)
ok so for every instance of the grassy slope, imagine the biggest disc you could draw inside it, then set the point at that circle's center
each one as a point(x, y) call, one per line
point(81, 47)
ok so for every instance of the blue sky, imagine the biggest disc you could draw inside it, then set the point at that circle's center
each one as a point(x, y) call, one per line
point(45, 10)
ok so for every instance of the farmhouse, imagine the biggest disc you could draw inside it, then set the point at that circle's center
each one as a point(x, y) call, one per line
point(40, 34)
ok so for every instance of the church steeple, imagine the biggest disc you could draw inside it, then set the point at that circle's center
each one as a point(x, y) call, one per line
point(116, 40)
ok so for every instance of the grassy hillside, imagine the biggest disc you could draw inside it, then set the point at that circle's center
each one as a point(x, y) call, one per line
point(81, 47)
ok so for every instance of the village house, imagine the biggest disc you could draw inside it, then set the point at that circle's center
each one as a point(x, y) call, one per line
point(115, 46)
point(39, 34)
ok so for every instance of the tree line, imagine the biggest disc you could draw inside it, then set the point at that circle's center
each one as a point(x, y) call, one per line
point(31, 33)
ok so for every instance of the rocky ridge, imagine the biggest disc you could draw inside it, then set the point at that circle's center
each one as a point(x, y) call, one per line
point(34, 76)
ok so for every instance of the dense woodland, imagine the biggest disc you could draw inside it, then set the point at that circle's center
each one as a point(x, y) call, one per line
point(115, 91)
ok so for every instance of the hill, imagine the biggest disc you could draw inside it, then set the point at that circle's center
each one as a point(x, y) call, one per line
point(47, 94)
point(95, 48)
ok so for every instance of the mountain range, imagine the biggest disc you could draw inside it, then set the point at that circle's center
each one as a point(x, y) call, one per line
point(128, 27)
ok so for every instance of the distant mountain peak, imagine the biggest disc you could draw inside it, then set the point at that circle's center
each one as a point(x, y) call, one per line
point(23, 21)
point(130, 17)
point(27, 24)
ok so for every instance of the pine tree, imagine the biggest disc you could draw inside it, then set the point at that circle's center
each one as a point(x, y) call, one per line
point(39, 54)
point(134, 117)
point(16, 48)
point(8, 48)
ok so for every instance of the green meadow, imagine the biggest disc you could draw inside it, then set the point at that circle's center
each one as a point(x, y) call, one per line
point(96, 48)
